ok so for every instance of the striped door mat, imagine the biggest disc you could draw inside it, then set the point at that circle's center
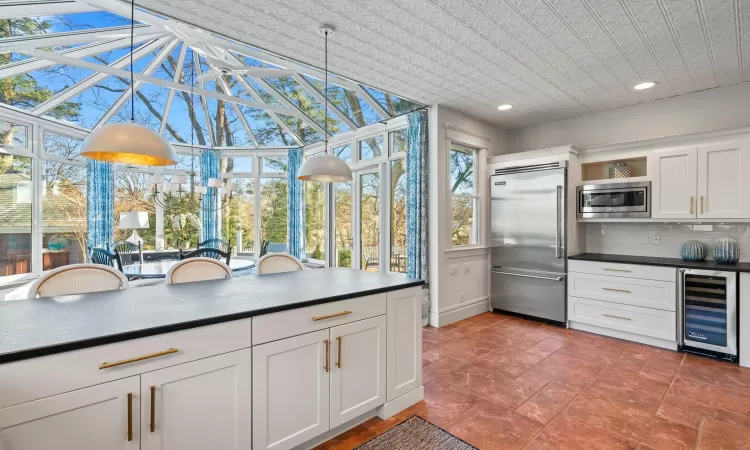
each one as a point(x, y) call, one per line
point(416, 434)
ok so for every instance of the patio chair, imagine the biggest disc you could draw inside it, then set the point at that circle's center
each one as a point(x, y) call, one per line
point(277, 263)
point(197, 269)
point(105, 257)
point(208, 252)
point(273, 247)
point(221, 244)
point(129, 253)
point(78, 279)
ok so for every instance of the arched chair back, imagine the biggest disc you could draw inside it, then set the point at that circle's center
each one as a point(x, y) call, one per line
point(208, 252)
point(78, 279)
point(277, 263)
point(198, 269)
point(221, 244)
point(105, 257)
point(129, 252)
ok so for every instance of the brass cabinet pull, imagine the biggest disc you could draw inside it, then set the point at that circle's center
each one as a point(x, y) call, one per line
point(617, 290)
point(327, 355)
point(331, 316)
point(106, 365)
point(701, 204)
point(338, 358)
point(153, 408)
point(617, 270)
point(616, 317)
point(692, 201)
point(130, 416)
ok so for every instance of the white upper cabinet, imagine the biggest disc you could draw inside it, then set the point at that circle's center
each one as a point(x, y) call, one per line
point(101, 417)
point(357, 368)
point(198, 405)
point(673, 174)
point(291, 390)
point(724, 181)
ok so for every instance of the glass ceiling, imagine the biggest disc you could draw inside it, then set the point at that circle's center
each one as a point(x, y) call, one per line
point(190, 86)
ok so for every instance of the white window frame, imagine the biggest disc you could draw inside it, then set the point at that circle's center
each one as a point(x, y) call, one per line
point(475, 197)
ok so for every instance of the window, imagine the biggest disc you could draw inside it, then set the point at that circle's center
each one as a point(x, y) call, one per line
point(15, 214)
point(343, 231)
point(238, 218)
point(238, 165)
point(398, 215)
point(63, 214)
point(398, 140)
point(464, 199)
point(275, 164)
point(13, 135)
point(133, 193)
point(273, 209)
point(343, 151)
point(371, 147)
point(369, 221)
point(62, 146)
point(315, 220)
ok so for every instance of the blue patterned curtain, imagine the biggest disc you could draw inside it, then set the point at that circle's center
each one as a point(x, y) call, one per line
point(209, 210)
point(296, 205)
point(100, 203)
point(416, 196)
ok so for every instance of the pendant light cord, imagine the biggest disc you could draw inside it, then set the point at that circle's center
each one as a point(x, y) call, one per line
point(326, 89)
point(132, 40)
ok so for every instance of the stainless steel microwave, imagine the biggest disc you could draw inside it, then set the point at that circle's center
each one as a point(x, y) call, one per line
point(614, 200)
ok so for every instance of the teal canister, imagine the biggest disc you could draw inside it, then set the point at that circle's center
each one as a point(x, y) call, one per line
point(692, 251)
point(726, 250)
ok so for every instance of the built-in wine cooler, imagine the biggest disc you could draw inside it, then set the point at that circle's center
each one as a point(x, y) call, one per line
point(709, 313)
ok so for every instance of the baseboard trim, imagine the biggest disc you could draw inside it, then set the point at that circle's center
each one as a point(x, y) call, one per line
point(461, 311)
point(656, 342)
point(411, 398)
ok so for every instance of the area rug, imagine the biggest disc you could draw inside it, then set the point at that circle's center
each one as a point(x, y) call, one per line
point(415, 434)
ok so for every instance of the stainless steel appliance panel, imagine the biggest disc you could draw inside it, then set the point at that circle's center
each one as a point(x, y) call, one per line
point(614, 200)
point(709, 310)
point(537, 294)
point(528, 220)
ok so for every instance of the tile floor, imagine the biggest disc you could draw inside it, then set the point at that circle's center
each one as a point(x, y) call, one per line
point(501, 382)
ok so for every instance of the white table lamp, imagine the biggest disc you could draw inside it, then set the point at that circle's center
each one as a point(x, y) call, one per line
point(134, 220)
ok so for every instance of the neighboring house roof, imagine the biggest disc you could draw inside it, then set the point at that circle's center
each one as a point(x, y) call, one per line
point(16, 201)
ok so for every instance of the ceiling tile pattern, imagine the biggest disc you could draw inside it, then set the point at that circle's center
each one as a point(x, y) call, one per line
point(551, 59)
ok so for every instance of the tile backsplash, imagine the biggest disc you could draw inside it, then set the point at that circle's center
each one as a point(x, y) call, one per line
point(662, 239)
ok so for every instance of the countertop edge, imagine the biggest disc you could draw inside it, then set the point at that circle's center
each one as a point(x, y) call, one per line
point(660, 262)
point(146, 332)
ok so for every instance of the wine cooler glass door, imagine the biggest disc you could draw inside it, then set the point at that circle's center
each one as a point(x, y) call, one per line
point(710, 300)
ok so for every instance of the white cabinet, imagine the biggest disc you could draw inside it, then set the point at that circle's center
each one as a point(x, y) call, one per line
point(198, 405)
point(291, 390)
point(404, 342)
point(357, 368)
point(673, 174)
point(101, 417)
point(723, 181)
point(706, 182)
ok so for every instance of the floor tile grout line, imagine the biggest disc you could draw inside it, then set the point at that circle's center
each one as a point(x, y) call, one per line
point(700, 433)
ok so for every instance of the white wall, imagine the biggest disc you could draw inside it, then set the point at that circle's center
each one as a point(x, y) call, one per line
point(447, 291)
point(711, 109)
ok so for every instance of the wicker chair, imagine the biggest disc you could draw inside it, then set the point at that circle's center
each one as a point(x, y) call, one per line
point(78, 279)
point(207, 252)
point(221, 244)
point(198, 269)
point(105, 257)
point(277, 263)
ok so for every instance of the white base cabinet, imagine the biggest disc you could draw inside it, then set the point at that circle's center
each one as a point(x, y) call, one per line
point(302, 375)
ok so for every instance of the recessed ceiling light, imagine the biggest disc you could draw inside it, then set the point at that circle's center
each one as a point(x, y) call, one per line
point(504, 107)
point(645, 85)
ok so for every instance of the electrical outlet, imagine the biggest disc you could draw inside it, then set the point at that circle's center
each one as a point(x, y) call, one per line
point(644, 239)
point(467, 267)
point(655, 240)
point(454, 270)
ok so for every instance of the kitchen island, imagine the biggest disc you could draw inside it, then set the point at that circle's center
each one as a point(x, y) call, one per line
point(262, 362)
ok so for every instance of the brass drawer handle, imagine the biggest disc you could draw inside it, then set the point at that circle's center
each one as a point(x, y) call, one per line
point(692, 202)
point(331, 316)
point(106, 365)
point(617, 290)
point(616, 317)
point(616, 270)
point(153, 408)
point(338, 359)
point(327, 354)
point(702, 205)
point(130, 416)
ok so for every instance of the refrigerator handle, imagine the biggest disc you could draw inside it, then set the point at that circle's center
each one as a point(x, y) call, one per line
point(500, 272)
point(558, 249)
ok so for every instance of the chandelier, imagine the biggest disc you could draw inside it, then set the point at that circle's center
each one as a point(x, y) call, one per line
point(177, 199)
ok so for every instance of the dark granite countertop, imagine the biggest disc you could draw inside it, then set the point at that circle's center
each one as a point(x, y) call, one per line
point(653, 261)
point(43, 326)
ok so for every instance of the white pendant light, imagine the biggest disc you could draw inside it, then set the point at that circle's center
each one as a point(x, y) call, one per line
point(129, 143)
point(325, 168)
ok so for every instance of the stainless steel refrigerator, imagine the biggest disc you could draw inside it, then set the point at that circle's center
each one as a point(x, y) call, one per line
point(528, 240)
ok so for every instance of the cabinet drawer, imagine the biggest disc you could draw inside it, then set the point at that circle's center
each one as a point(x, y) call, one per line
point(624, 270)
point(36, 378)
point(633, 319)
point(629, 291)
point(271, 327)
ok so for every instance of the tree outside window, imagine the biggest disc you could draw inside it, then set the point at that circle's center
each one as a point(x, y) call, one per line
point(464, 200)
